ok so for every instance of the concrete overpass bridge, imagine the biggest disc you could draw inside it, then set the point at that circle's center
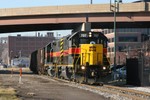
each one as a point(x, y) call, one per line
point(71, 16)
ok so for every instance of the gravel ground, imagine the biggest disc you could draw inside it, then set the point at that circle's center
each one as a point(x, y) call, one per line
point(35, 87)
point(142, 89)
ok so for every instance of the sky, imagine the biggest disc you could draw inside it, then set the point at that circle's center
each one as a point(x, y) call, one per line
point(34, 3)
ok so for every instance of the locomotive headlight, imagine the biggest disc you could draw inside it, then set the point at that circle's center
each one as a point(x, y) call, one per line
point(90, 34)
point(83, 67)
point(104, 67)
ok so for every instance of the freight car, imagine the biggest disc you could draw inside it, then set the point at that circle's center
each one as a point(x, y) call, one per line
point(33, 62)
point(80, 57)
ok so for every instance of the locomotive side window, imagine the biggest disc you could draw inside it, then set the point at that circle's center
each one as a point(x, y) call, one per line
point(70, 43)
point(48, 48)
point(75, 41)
point(83, 35)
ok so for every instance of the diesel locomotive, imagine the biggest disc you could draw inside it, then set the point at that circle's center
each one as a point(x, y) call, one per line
point(80, 56)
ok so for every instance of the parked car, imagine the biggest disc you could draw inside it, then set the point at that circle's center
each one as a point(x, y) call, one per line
point(119, 73)
point(3, 66)
point(122, 72)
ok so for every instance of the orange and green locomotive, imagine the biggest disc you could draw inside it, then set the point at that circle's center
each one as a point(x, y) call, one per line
point(80, 56)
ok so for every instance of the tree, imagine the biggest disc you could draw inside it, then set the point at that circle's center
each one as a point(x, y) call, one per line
point(4, 56)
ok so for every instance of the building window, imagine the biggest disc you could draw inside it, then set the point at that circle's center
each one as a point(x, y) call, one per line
point(109, 49)
point(121, 48)
point(128, 39)
point(112, 39)
point(112, 49)
point(18, 39)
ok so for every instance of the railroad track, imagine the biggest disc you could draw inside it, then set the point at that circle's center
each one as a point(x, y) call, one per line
point(122, 92)
point(109, 91)
point(134, 94)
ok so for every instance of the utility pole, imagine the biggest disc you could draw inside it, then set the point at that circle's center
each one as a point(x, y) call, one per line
point(91, 1)
point(115, 9)
point(20, 53)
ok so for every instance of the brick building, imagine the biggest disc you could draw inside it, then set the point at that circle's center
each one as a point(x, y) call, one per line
point(127, 39)
point(23, 46)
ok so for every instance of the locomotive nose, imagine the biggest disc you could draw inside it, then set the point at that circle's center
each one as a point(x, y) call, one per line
point(91, 53)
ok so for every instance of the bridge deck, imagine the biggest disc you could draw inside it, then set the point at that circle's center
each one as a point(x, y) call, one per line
point(74, 9)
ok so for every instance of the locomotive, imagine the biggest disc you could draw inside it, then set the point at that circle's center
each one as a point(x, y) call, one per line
point(80, 56)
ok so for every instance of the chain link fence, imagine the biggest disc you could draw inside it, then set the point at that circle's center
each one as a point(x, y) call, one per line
point(138, 65)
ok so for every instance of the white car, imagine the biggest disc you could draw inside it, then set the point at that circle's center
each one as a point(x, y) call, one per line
point(122, 72)
point(119, 73)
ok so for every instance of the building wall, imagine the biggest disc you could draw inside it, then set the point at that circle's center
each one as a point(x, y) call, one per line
point(126, 40)
point(3, 49)
point(22, 46)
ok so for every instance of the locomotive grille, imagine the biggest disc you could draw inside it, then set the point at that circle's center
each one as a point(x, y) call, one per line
point(91, 53)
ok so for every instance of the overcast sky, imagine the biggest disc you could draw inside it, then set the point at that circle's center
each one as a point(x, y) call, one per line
point(31, 3)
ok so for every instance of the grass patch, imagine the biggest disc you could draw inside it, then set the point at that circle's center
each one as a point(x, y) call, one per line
point(8, 94)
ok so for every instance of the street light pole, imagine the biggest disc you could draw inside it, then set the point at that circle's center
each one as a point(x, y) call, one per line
point(115, 34)
point(116, 7)
point(20, 54)
point(91, 1)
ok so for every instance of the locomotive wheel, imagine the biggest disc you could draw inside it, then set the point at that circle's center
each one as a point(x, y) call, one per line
point(65, 73)
point(51, 72)
point(79, 78)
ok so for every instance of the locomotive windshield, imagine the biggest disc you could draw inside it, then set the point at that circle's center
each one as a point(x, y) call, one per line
point(88, 41)
point(93, 38)
point(89, 38)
